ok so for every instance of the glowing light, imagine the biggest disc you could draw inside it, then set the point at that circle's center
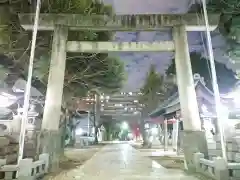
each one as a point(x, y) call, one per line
point(146, 125)
point(130, 93)
point(154, 131)
point(136, 101)
point(118, 105)
point(124, 125)
point(79, 131)
point(107, 97)
point(101, 97)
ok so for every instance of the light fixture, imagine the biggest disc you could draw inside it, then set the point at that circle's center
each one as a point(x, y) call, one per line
point(130, 93)
point(101, 97)
point(136, 101)
point(118, 105)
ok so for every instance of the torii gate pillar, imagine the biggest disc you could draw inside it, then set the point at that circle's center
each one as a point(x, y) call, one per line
point(53, 102)
point(193, 138)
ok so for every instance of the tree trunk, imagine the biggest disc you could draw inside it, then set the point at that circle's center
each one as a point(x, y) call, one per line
point(73, 138)
point(96, 134)
point(72, 126)
point(63, 133)
point(96, 108)
point(143, 132)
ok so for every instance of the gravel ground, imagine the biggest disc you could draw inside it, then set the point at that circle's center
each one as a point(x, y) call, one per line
point(73, 158)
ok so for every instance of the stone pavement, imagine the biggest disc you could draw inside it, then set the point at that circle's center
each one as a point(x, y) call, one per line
point(122, 162)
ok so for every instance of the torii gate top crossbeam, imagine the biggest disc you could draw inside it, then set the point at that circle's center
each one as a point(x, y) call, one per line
point(153, 22)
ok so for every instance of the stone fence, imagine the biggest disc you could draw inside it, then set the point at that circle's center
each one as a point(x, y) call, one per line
point(26, 169)
point(217, 168)
point(232, 149)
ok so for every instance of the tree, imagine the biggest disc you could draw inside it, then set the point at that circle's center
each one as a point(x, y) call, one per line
point(226, 77)
point(106, 75)
point(152, 93)
point(93, 70)
point(229, 25)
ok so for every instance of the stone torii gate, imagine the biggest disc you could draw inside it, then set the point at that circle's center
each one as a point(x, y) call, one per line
point(61, 24)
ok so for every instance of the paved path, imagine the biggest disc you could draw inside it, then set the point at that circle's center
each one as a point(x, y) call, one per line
point(122, 162)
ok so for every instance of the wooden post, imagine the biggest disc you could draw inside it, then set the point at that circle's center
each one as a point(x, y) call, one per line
point(177, 132)
point(96, 116)
point(165, 135)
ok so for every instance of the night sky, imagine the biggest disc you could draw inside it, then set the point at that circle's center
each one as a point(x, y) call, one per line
point(137, 64)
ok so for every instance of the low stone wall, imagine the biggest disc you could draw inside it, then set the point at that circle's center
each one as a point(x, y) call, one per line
point(232, 149)
point(32, 146)
point(8, 149)
point(27, 169)
point(217, 168)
